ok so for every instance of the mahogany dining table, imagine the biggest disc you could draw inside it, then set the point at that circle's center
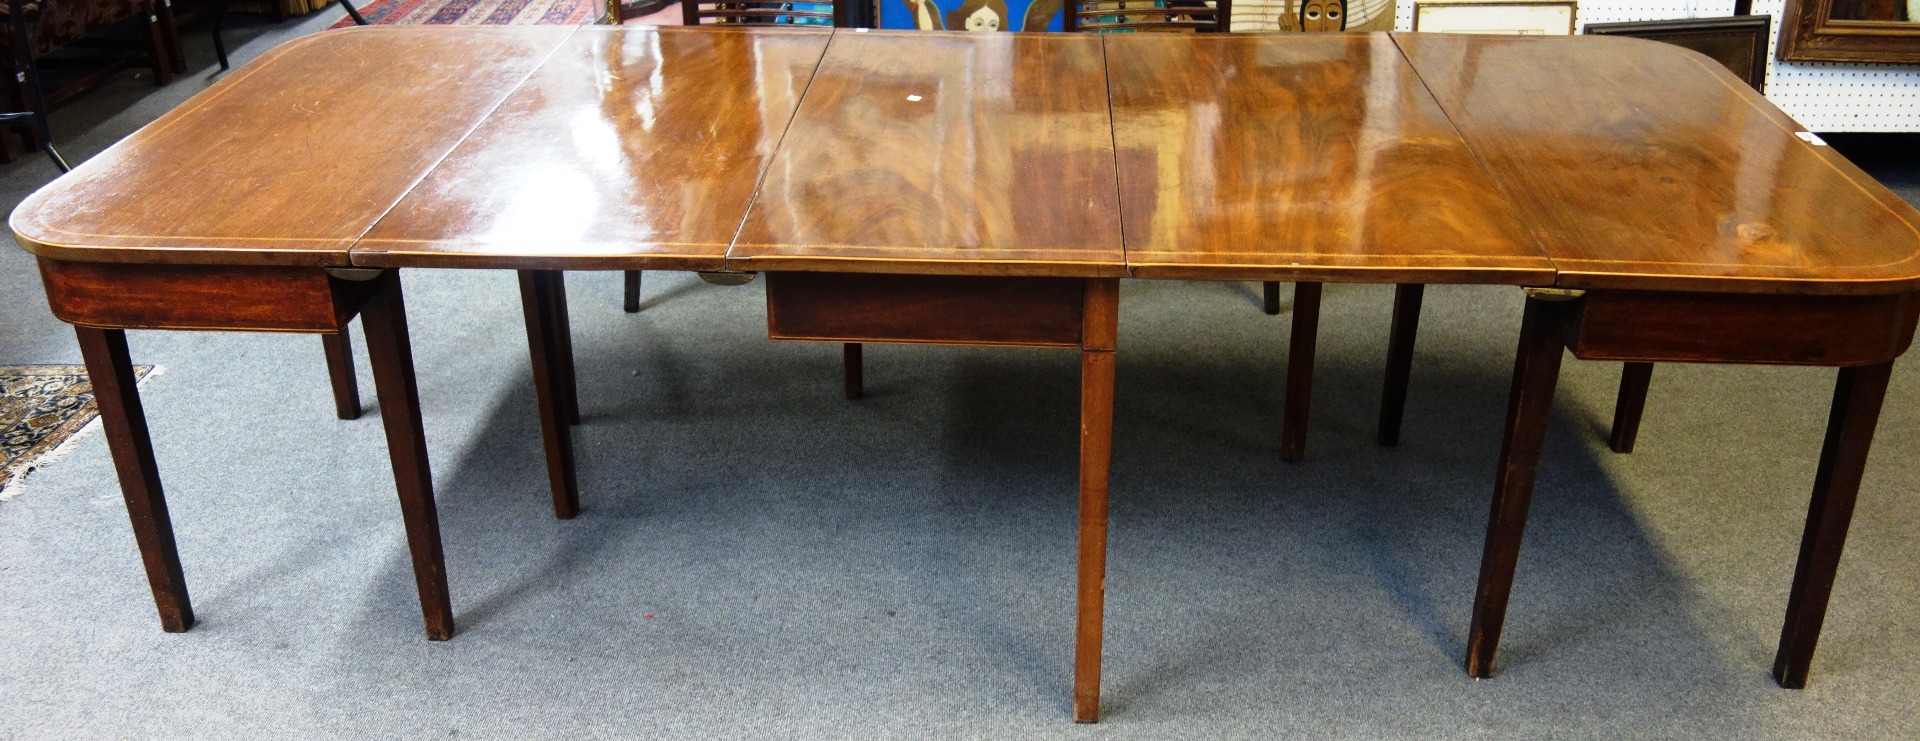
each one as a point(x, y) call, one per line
point(990, 189)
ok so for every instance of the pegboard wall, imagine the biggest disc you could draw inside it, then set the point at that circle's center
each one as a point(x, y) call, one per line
point(1822, 96)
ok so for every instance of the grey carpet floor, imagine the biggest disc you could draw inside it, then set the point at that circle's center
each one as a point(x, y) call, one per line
point(761, 558)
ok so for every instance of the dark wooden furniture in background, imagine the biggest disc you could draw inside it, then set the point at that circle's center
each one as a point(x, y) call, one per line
point(815, 14)
point(618, 12)
point(1632, 210)
point(92, 54)
point(22, 18)
point(1840, 31)
point(1204, 16)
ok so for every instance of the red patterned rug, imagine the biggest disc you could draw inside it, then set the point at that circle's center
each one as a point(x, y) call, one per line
point(497, 13)
point(477, 12)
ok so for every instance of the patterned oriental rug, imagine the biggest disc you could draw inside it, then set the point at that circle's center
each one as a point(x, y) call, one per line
point(41, 407)
point(477, 12)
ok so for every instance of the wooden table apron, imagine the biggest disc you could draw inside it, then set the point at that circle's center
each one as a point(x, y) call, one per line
point(871, 177)
point(1861, 335)
point(103, 300)
point(1705, 227)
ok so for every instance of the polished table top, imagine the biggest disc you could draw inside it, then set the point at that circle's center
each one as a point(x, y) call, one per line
point(288, 161)
point(1643, 165)
point(1248, 153)
point(1577, 161)
point(917, 153)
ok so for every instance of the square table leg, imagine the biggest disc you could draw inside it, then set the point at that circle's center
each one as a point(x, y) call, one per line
point(1536, 370)
point(102, 300)
point(855, 374)
point(538, 304)
point(1101, 322)
point(390, 352)
point(630, 280)
point(114, 391)
point(1300, 349)
point(1857, 397)
point(563, 338)
point(1066, 313)
point(340, 373)
point(1861, 335)
point(1635, 378)
point(1400, 341)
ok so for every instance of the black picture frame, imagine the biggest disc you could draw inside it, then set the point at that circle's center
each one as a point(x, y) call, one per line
point(1739, 42)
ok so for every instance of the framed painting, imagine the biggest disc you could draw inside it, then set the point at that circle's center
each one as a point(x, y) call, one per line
point(1522, 18)
point(1738, 42)
point(1851, 31)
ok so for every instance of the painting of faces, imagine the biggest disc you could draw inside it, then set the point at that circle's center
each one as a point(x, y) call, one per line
point(970, 15)
point(1313, 15)
point(1044, 15)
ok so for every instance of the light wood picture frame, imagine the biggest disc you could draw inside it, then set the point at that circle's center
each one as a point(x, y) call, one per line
point(1507, 17)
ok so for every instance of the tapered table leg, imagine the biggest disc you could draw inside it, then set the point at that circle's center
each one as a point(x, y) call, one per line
point(563, 344)
point(115, 392)
point(542, 348)
point(850, 357)
point(346, 383)
point(1270, 297)
point(1634, 380)
point(1856, 410)
point(632, 280)
point(1299, 395)
point(1536, 370)
point(1400, 340)
point(390, 352)
point(1096, 452)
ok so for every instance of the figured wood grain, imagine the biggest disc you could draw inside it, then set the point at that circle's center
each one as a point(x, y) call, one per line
point(1642, 165)
point(629, 148)
point(209, 297)
point(936, 309)
point(1741, 328)
point(1299, 157)
point(926, 152)
point(290, 159)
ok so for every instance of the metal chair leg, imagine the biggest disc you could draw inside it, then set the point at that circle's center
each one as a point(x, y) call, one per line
point(353, 12)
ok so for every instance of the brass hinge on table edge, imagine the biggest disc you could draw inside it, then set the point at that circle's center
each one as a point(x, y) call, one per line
point(355, 274)
point(727, 277)
point(1554, 294)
